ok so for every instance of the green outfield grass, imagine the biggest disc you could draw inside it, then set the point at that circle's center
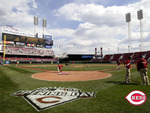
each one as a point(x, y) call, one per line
point(110, 92)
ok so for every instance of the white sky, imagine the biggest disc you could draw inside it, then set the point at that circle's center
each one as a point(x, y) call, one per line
point(80, 26)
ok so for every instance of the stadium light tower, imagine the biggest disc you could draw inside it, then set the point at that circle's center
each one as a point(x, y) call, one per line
point(108, 50)
point(140, 47)
point(140, 17)
point(44, 25)
point(128, 19)
point(95, 53)
point(35, 24)
point(101, 55)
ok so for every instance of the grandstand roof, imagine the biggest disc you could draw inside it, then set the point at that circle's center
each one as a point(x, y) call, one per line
point(14, 30)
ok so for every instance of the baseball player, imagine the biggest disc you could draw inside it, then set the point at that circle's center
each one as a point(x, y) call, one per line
point(142, 68)
point(128, 70)
point(118, 63)
point(72, 63)
point(60, 71)
point(59, 68)
point(17, 63)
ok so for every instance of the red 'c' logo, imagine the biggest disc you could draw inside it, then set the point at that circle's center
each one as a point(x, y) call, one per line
point(136, 97)
point(42, 101)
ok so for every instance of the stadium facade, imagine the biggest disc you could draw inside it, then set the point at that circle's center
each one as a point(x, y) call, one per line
point(17, 45)
point(22, 46)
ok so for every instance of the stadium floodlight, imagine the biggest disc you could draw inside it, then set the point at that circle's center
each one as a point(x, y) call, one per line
point(95, 53)
point(101, 55)
point(108, 50)
point(35, 20)
point(140, 14)
point(128, 20)
point(44, 25)
point(128, 17)
point(118, 50)
point(140, 47)
point(140, 17)
point(35, 24)
point(44, 22)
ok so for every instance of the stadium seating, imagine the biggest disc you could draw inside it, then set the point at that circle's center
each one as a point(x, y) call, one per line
point(44, 55)
point(29, 59)
point(28, 54)
point(126, 55)
point(123, 57)
point(147, 56)
point(107, 58)
point(137, 55)
point(28, 51)
point(116, 57)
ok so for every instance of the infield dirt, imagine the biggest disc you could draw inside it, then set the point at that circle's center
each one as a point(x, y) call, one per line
point(72, 75)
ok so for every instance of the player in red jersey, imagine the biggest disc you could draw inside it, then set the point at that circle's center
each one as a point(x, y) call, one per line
point(128, 70)
point(60, 71)
point(59, 68)
point(142, 68)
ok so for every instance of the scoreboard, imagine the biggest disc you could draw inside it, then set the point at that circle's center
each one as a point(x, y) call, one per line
point(26, 39)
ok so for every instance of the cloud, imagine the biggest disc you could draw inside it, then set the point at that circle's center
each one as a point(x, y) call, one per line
point(93, 13)
point(105, 26)
point(15, 13)
point(34, 4)
point(92, 24)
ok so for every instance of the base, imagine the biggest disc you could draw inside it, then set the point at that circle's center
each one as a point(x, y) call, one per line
point(63, 73)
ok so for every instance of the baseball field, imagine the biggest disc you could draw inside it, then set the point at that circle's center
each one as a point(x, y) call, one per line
point(110, 91)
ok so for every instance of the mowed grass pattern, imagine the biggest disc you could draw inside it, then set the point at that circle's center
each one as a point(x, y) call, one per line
point(110, 92)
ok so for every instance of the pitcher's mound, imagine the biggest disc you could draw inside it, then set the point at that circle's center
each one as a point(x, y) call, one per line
point(72, 76)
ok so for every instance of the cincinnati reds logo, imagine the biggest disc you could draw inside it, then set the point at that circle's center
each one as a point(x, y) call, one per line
point(136, 97)
point(43, 98)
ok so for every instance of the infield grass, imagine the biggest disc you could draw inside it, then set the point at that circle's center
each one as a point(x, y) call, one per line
point(110, 92)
